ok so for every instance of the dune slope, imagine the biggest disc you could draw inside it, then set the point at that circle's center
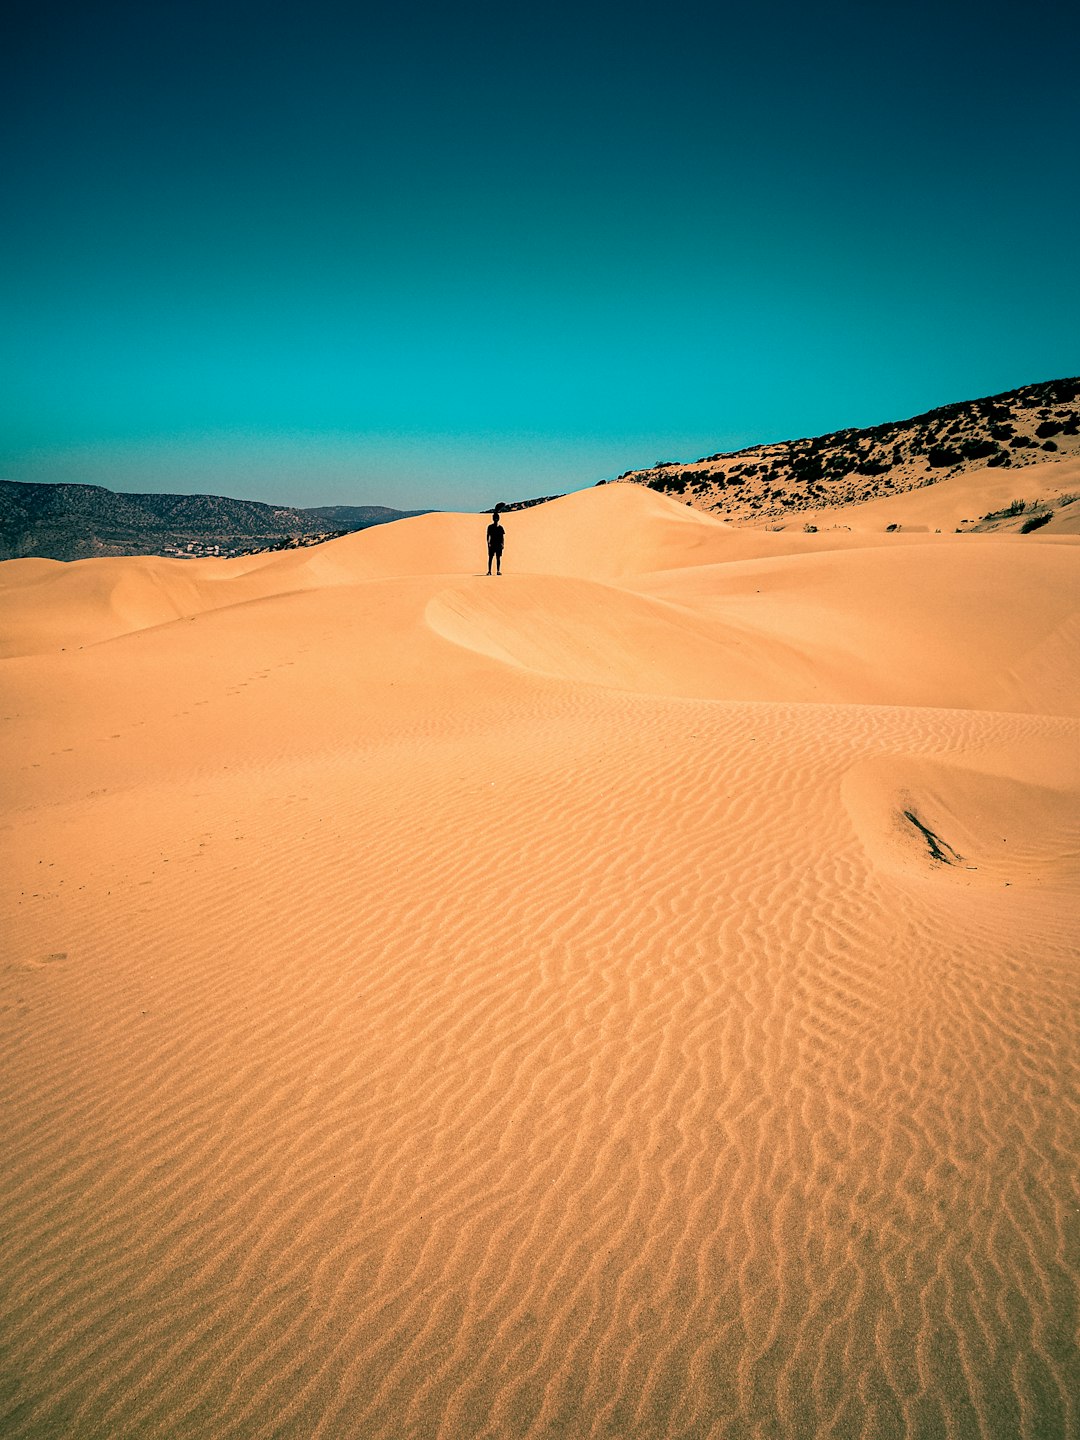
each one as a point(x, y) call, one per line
point(634, 997)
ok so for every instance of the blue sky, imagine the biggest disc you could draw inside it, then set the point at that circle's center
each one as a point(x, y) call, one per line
point(453, 254)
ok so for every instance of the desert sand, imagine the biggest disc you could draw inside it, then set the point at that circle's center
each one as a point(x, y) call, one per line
point(632, 997)
point(960, 502)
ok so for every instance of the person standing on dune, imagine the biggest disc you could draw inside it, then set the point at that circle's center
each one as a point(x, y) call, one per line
point(496, 536)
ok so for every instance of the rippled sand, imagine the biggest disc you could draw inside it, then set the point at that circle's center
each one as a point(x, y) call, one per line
point(633, 997)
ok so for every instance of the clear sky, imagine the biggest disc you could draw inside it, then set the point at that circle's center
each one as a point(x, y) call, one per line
point(438, 255)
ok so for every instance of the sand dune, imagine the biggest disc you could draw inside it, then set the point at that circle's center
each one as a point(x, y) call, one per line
point(774, 630)
point(962, 500)
point(632, 997)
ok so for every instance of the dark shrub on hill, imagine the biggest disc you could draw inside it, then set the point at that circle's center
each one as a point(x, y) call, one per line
point(1035, 522)
point(1001, 458)
point(1022, 442)
point(978, 449)
point(807, 467)
point(1002, 432)
point(1049, 445)
point(1048, 428)
point(939, 457)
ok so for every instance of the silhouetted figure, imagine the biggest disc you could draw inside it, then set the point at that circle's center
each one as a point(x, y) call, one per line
point(496, 535)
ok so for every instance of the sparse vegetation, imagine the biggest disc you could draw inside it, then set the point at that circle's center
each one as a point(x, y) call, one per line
point(940, 850)
point(669, 484)
point(849, 465)
point(1035, 522)
point(978, 449)
point(502, 506)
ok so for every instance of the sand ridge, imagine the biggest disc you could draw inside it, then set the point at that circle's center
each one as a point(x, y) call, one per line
point(440, 1006)
point(961, 502)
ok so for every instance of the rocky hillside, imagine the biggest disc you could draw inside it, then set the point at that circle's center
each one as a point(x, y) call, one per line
point(76, 522)
point(1014, 429)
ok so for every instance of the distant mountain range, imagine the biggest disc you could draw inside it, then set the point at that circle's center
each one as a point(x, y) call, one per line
point(77, 522)
point(1016, 428)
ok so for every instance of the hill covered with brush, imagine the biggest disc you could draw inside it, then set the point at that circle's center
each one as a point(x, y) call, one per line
point(1033, 424)
point(78, 522)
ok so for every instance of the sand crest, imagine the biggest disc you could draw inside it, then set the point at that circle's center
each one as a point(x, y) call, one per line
point(633, 997)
